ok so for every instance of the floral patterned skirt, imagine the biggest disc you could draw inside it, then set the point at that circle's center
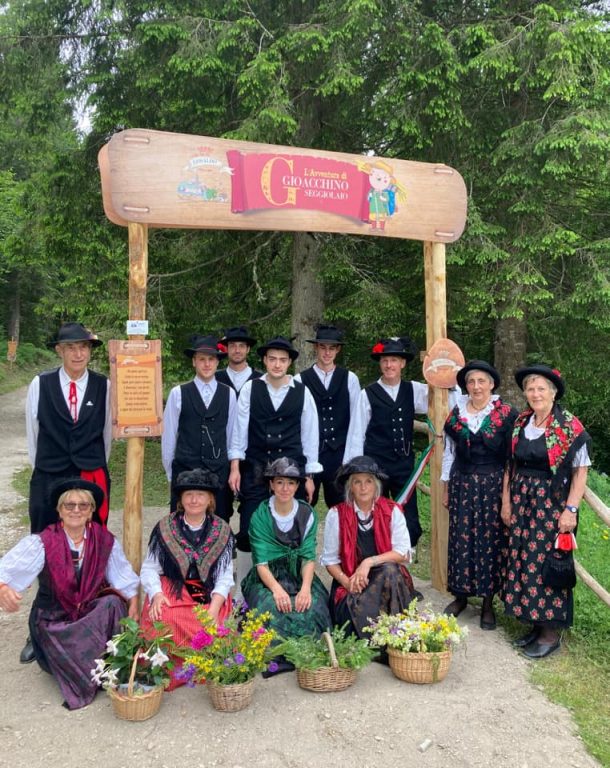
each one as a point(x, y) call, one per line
point(534, 526)
point(476, 533)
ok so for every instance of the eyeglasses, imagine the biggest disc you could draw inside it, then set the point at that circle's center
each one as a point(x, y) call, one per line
point(82, 506)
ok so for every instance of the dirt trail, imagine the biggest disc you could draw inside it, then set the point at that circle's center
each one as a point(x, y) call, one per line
point(484, 714)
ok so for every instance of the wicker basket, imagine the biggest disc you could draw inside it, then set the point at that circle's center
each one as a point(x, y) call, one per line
point(327, 679)
point(131, 706)
point(230, 698)
point(420, 668)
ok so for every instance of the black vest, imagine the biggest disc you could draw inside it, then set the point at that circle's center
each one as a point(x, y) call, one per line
point(295, 536)
point(390, 430)
point(62, 441)
point(224, 378)
point(202, 432)
point(333, 407)
point(271, 433)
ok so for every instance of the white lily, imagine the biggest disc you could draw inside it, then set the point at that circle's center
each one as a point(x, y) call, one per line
point(112, 647)
point(158, 659)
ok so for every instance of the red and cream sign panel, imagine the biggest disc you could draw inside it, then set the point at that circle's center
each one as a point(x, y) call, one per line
point(176, 180)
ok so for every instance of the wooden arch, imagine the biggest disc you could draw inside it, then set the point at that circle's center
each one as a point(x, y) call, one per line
point(171, 180)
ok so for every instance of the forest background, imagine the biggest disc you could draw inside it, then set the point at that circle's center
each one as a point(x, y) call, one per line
point(514, 95)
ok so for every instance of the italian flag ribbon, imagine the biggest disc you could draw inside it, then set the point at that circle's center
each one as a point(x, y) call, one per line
point(421, 463)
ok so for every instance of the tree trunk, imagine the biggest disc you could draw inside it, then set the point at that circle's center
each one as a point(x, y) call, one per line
point(510, 348)
point(14, 323)
point(307, 295)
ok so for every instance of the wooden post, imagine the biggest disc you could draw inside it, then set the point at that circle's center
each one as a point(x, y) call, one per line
point(134, 468)
point(436, 328)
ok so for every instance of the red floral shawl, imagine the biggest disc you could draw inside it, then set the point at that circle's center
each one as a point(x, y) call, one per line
point(98, 545)
point(348, 535)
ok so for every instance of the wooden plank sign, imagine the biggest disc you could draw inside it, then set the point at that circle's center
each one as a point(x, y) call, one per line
point(136, 388)
point(178, 180)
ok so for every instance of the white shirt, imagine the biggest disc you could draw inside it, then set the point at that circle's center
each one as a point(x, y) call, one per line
point(22, 564)
point(362, 416)
point(474, 421)
point(171, 418)
point(238, 378)
point(32, 426)
point(310, 437)
point(401, 541)
point(151, 572)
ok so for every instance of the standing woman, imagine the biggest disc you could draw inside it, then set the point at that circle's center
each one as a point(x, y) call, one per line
point(549, 476)
point(477, 449)
point(86, 586)
point(366, 546)
point(283, 541)
point(189, 561)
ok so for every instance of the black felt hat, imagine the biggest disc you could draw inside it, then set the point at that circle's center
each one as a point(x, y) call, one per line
point(284, 467)
point(279, 342)
point(478, 365)
point(239, 333)
point(552, 374)
point(75, 484)
point(209, 345)
point(196, 480)
point(357, 465)
point(396, 346)
point(327, 334)
point(70, 332)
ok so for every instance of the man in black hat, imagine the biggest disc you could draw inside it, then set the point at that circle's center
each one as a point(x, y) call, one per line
point(276, 416)
point(238, 343)
point(336, 391)
point(382, 426)
point(68, 424)
point(69, 428)
point(198, 420)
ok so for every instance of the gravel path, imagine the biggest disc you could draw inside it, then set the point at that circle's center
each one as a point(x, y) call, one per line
point(485, 713)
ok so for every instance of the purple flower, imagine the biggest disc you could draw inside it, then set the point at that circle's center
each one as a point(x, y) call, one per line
point(240, 658)
point(228, 662)
point(186, 675)
point(273, 667)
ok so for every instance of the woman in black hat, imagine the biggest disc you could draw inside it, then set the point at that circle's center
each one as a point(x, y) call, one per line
point(283, 541)
point(366, 543)
point(477, 449)
point(74, 613)
point(189, 562)
point(549, 476)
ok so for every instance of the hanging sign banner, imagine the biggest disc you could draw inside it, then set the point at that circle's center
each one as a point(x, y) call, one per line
point(136, 388)
point(178, 180)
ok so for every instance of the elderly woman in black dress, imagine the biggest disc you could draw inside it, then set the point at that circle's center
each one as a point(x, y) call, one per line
point(366, 544)
point(478, 433)
point(541, 499)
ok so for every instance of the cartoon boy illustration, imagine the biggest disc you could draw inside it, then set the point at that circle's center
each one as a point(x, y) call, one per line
point(383, 193)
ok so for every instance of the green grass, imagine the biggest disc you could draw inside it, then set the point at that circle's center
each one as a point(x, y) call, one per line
point(30, 361)
point(156, 486)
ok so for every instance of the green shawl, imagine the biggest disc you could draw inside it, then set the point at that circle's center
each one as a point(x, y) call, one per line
point(265, 545)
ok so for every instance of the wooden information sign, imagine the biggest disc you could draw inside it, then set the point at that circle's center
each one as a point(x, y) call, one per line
point(136, 388)
point(442, 362)
point(178, 180)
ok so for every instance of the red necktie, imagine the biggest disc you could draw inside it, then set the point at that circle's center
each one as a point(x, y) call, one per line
point(72, 401)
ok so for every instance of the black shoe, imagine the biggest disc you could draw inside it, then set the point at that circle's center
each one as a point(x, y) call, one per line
point(382, 658)
point(417, 595)
point(488, 620)
point(456, 606)
point(522, 642)
point(539, 650)
point(282, 666)
point(27, 655)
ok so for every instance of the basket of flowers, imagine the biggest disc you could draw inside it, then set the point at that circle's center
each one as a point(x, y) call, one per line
point(227, 657)
point(328, 663)
point(418, 641)
point(135, 670)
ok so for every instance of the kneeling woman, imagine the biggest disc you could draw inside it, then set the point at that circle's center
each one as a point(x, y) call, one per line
point(366, 543)
point(86, 585)
point(189, 561)
point(283, 540)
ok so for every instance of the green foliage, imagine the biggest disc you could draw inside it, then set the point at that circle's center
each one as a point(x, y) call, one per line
point(310, 652)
